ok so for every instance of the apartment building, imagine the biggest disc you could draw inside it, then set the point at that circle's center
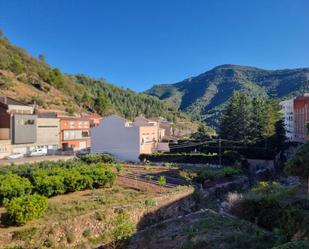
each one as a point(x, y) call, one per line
point(287, 109)
point(127, 140)
point(74, 133)
point(17, 125)
point(301, 118)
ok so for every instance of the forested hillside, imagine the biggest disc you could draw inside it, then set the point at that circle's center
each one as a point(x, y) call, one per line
point(203, 96)
point(29, 79)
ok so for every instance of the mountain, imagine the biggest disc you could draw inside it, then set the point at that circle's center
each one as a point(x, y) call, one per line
point(204, 96)
point(29, 79)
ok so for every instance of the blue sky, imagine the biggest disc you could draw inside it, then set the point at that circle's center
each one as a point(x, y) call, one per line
point(138, 43)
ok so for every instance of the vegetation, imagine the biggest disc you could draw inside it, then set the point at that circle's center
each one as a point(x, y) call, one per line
point(25, 208)
point(272, 207)
point(294, 245)
point(195, 158)
point(82, 92)
point(253, 121)
point(205, 95)
point(299, 163)
point(12, 185)
point(23, 185)
point(97, 158)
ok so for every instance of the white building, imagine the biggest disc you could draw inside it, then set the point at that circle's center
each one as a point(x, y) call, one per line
point(288, 114)
point(126, 140)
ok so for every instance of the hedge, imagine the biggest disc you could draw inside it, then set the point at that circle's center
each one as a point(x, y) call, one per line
point(25, 208)
point(56, 180)
point(97, 158)
point(187, 158)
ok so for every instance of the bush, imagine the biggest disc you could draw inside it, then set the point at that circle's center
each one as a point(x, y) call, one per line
point(49, 185)
point(97, 158)
point(267, 188)
point(294, 245)
point(229, 171)
point(12, 185)
point(26, 208)
point(266, 212)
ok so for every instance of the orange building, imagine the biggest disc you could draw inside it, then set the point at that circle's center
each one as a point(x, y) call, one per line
point(74, 133)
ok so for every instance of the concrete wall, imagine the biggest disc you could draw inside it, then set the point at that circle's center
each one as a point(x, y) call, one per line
point(24, 129)
point(114, 136)
point(48, 133)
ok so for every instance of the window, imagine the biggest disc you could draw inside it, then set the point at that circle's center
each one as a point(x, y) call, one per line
point(86, 124)
point(80, 124)
point(85, 134)
point(71, 124)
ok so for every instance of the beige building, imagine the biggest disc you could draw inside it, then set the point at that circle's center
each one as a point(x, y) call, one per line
point(48, 131)
point(127, 140)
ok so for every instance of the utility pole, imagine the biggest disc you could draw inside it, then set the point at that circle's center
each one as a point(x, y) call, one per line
point(220, 159)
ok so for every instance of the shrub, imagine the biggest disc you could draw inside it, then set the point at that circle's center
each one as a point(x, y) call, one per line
point(26, 208)
point(24, 234)
point(150, 202)
point(74, 181)
point(229, 171)
point(266, 212)
point(162, 181)
point(97, 158)
point(267, 187)
point(49, 185)
point(12, 185)
point(294, 245)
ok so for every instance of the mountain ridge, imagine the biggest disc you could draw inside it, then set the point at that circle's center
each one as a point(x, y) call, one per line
point(204, 95)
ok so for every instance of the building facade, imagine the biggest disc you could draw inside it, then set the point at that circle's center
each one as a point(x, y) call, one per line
point(48, 132)
point(287, 108)
point(18, 123)
point(301, 118)
point(74, 133)
point(126, 140)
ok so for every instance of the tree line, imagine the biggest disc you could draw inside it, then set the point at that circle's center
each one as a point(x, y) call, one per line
point(253, 121)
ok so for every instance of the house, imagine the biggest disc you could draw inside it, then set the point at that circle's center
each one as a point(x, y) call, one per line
point(301, 118)
point(18, 123)
point(164, 124)
point(74, 133)
point(287, 108)
point(126, 140)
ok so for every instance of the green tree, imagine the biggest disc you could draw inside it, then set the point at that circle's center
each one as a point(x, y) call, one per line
point(236, 121)
point(271, 116)
point(1, 34)
point(101, 104)
point(258, 121)
point(202, 133)
point(279, 137)
point(298, 165)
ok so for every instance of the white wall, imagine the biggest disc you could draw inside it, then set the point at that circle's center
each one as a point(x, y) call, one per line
point(114, 137)
point(288, 114)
